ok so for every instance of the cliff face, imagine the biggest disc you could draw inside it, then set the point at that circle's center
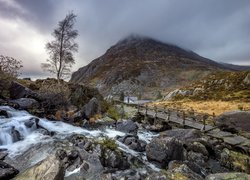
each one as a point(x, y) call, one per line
point(143, 66)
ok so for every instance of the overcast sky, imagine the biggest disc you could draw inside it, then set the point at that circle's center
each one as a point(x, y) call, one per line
point(219, 30)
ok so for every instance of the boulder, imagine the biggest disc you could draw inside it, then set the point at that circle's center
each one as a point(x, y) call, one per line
point(48, 169)
point(182, 134)
point(127, 126)
point(7, 171)
point(3, 113)
point(3, 155)
point(26, 103)
point(182, 172)
point(234, 121)
point(235, 160)
point(91, 108)
point(133, 142)
point(198, 148)
point(228, 176)
point(18, 91)
point(247, 79)
point(164, 150)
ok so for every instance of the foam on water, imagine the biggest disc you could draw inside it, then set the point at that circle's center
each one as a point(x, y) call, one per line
point(32, 136)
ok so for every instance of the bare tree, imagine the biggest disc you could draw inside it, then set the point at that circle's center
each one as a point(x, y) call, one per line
point(61, 49)
point(10, 66)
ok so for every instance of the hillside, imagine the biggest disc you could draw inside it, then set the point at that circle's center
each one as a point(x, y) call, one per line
point(143, 66)
point(215, 94)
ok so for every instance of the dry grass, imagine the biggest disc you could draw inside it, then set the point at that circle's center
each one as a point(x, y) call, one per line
point(208, 107)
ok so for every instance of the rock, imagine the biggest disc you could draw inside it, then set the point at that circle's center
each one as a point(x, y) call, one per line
point(48, 169)
point(15, 135)
point(235, 161)
point(163, 150)
point(228, 176)
point(18, 91)
point(163, 126)
point(247, 79)
point(198, 148)
point(127, 126)
point(3, 155)
point(157, 176)
point(198, 91)
point(182, 134)
point(7, 171)
point(133, 142)
point(197, 158)
point(3, 113)
point(26, 103)
point(92, 108)
point(234, 121)
point(183, 172)
point(177, 92)
point(113, 159)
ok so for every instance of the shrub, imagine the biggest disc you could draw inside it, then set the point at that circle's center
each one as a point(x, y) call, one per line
point(109, 143)
point(113, 113)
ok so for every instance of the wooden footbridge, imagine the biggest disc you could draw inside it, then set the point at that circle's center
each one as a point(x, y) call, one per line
point(181, 118)
point(175, 116)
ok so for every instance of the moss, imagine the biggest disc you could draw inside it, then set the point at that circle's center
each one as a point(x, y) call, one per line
point(113, 113)
point(109, 144)
point(236, 161)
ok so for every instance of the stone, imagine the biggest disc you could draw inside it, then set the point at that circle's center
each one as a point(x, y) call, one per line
point(164, 150)
point(235, 160)
point(228, 176)
point(3, 155)
point(15, 135)
point(18, 91)
point(182, 134)
point(3, 113)
point(26, 103)
point(197, 147)
point(127, 126)
point(48, 169)
point(133, 142)
point(7, 171)
point(234, 121)
point(92, 108)
point(247, 79)
point(182, 172)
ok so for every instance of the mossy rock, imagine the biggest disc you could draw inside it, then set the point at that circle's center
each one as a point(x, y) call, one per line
point(235, 160)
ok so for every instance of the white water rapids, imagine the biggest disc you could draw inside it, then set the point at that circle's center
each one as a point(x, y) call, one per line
point(16, 125)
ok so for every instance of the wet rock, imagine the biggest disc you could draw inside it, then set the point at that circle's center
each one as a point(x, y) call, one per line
point(17, 91)
point(49, 169)
point(234, 121)
point(130, 174)
point(15, 135)
point(235, 160)
point(164, 150)
point(127, 126)
point(7, 171)
point(197, 158)
point(3, 155)
point(113, 159)
point(26, 103)
point(133, 142)
point(3, 113)
point(228, 176)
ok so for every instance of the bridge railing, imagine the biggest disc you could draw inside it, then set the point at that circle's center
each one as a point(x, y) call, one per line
point(205, 119)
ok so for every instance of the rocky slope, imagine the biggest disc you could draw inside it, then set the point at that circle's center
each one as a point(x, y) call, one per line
point(140, 66)
point(217, 86)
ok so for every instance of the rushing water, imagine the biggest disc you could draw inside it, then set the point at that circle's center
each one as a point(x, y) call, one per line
point(20, 132)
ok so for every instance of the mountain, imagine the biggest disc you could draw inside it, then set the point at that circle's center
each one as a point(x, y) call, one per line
point(143, 66)
point(236, 67)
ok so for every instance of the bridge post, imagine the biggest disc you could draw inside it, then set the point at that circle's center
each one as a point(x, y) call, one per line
point(214, 119)
point(204, 123)
point(138, 108)
point(168, 118)
point(184, 118)
point(146, 112)
point(155, 116)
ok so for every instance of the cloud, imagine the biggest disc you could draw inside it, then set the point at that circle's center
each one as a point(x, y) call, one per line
point(215, 29)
